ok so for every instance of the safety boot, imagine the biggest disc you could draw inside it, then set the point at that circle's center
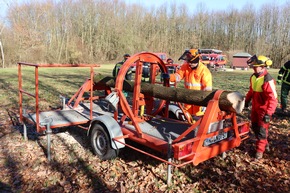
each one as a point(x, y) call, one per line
point(259, 155)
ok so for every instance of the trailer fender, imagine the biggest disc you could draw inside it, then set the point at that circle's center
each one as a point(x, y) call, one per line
point(112, 127)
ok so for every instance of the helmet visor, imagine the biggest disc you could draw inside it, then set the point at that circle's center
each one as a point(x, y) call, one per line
point(185, 56)
point(255, 62)
point(191, 56)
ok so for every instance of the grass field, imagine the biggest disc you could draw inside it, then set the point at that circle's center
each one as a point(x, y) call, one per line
point(66, 81)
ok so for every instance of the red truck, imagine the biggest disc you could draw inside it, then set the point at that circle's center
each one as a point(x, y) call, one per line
point(213, 58)
point(217, 61)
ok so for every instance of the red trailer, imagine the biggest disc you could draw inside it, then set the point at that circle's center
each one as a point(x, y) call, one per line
point(112, 117)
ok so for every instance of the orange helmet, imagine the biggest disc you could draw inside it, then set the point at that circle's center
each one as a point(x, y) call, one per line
point(191, 55)
point(259, 61)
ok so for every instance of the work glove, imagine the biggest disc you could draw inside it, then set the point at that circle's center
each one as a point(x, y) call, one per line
point(278, 81)
point(266, 118)
point(165, 76)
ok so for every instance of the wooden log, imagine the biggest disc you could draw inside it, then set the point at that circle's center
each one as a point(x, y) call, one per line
point(232, 101)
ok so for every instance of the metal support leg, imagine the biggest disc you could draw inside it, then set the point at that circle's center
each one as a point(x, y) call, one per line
point(62, 98)
point(25, 132)
point(224, 155)
point(169, 154)
point(24, 127)
point(47, 123)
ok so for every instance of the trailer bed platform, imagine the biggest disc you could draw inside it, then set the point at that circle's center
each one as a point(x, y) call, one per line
point(60, 118)
point(160, 127)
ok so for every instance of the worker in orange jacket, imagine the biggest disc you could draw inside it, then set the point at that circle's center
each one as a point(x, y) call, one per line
point(262, 93)
point(196, 76)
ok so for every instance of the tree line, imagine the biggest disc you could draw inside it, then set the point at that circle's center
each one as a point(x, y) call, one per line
point(95, 31)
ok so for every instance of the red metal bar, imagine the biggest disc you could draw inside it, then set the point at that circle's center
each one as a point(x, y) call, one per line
point(137, 86)
point(59, 65)
point(235, 126)
point(126, 108)
point(84, 88)
point(191, 128)
point(20, 92)
point(84, 128)
point(151, 155)
point(91, 92)
point(37, 99)
point(36, 95)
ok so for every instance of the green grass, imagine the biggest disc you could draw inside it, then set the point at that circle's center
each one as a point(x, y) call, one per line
point(237, 80)
point(66, 81)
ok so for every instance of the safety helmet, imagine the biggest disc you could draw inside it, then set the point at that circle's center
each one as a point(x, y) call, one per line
point(169, 60)
point(259, 61)
point(191, 55)
point(126, 55)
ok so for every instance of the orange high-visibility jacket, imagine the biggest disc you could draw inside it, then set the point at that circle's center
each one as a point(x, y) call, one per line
point(195, 79)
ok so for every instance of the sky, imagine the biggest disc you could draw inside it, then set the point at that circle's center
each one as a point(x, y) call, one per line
point(209, 4)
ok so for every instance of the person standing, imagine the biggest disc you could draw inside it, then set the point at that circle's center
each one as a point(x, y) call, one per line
point(196, 76)
point(119, 65)
point(284, 77)
point(262, 93)
point(170, 66)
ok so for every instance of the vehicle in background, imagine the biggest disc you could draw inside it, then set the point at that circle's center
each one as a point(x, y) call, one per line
point(205, 59)
point(217, 61)
point(161, 55)
point(213, 58)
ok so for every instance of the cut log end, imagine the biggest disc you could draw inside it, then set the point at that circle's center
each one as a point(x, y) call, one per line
point(237, 100)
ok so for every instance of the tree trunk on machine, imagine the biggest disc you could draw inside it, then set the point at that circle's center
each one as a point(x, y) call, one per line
point(232, 101)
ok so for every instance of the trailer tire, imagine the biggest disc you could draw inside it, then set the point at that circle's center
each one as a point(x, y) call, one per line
point(101, 143)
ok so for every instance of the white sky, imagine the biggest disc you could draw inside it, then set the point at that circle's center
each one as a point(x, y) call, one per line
point(210, 4)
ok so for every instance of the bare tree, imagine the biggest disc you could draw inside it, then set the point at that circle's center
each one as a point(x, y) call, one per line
point(1, 48)
point(103, 30)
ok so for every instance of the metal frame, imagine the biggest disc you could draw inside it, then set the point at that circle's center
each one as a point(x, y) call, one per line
point(198, 152)
point(188, 150)
point(35, 95)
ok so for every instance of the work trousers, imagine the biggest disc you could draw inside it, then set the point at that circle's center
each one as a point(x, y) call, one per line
point(260, 129)
point(284, 94)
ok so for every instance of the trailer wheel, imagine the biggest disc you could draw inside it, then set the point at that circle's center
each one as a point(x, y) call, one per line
point(101, 143)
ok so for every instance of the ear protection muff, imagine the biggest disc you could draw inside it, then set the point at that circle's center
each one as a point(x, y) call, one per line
point(269, 62)
point(262, 61)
